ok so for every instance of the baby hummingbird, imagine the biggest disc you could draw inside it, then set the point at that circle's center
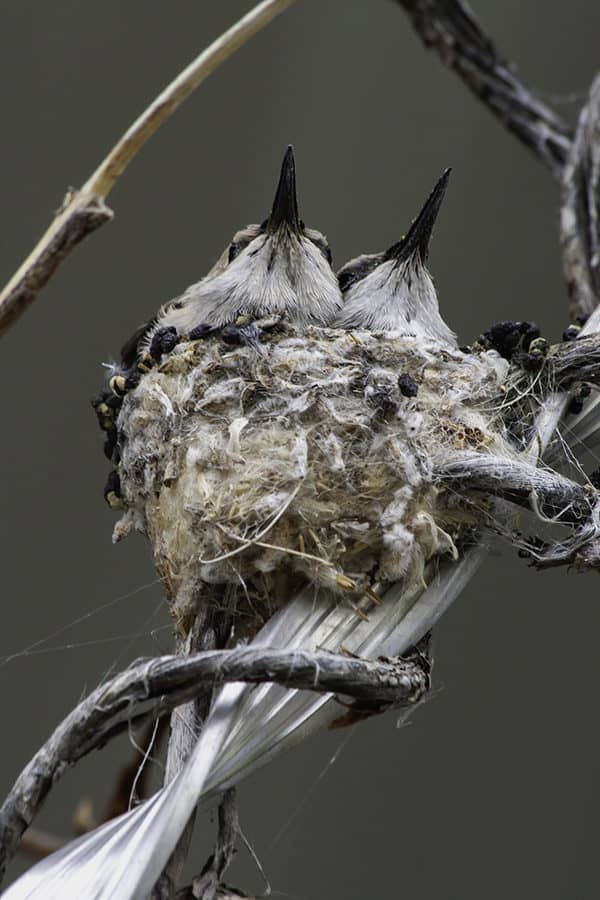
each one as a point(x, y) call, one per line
point(278, 268)
point(392, 290)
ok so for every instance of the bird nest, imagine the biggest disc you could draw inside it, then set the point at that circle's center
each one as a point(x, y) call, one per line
point(295, 456)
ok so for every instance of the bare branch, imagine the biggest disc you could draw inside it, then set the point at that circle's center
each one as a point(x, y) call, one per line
point(451, 29)
point(574, 361)
point(165, 682)
point(579, 233)
point(554, 499)
point(80, 216)
point(520, 483)
point(84, 210)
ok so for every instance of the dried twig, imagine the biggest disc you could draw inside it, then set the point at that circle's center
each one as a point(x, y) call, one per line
point(84, 211)
point(579, 233)
point(450, 27)
point(165, 682)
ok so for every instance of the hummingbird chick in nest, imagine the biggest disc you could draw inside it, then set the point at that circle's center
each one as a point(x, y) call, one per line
point(393, 290)
point(280, 268)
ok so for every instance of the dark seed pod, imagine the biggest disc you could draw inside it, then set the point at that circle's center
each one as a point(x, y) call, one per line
point(408, 387)
point(509, 337)
point(575, 406)
point(163, 341)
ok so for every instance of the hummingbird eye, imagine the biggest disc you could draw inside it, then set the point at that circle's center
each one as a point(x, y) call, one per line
point(357, 270)
point(235, 248)
point(320, 242)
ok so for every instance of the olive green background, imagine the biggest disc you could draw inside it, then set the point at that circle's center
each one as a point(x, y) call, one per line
point(493, 789)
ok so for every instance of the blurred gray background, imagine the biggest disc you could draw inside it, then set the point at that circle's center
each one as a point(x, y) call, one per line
point(493, 789)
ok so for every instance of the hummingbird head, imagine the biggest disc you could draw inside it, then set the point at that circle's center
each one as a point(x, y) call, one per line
point(393, 290)
point(279, 267)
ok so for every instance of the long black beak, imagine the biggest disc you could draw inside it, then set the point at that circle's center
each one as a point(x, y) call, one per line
point(285, 205)
point(419, 234)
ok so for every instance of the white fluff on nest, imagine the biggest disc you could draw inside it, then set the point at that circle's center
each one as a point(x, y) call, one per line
point(304, 443)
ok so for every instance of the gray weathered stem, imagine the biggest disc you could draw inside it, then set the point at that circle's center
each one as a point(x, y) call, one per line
point(518, 482)
point(449, 27)
point(165, 682)
point(579, 232)
point(574, 361)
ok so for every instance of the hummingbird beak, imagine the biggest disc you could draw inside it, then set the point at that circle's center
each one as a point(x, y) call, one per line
point(416, 241)
point(285, 205)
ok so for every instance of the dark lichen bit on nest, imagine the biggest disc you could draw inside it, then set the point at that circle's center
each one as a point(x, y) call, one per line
point(254, 468)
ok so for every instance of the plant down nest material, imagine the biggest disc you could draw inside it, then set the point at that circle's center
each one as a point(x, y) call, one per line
point(297, 457)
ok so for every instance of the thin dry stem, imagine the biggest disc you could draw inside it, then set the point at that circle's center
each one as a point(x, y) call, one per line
point(105, 176)
point(84, 210)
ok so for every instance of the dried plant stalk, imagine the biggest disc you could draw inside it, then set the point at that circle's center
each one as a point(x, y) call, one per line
point(84, 211)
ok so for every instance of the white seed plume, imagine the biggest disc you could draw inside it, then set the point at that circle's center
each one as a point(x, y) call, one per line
point(393, 291)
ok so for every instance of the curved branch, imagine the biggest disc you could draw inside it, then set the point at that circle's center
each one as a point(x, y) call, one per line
point(521, 483)
point(84, 210)
point(574, 361)
point(449, 27)
point(579, 232)
point(165, 682)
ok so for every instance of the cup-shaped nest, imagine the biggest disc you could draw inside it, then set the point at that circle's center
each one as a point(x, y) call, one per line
point(300, 456)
